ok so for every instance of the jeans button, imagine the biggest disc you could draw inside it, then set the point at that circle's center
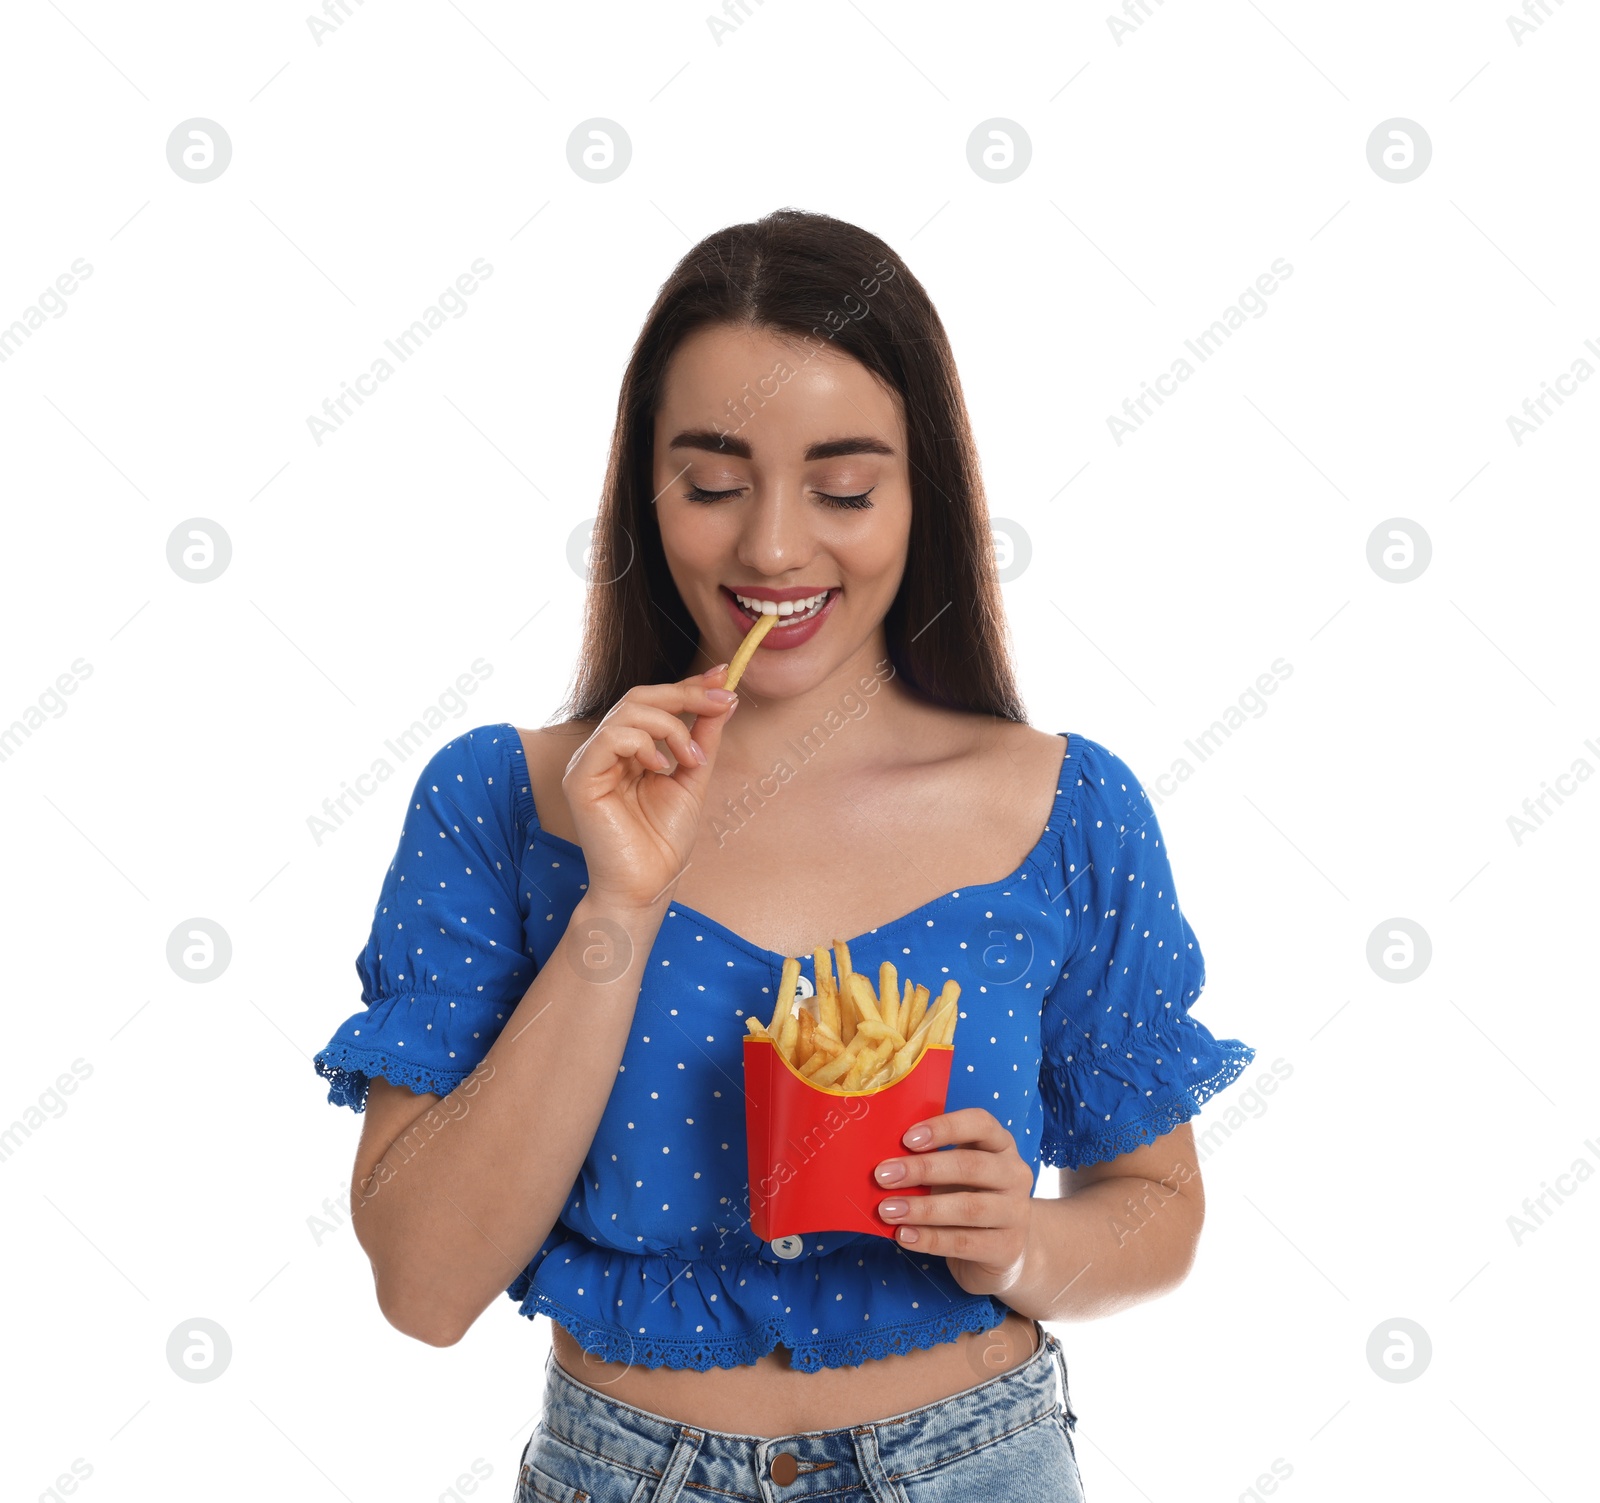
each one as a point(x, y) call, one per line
point(784, 1468)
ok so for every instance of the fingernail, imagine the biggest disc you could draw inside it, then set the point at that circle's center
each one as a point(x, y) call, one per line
point(917, 1137)
point(908, 1234)
point(713, 672)
point(893, 1208)
point(697, 751)
point(734, 706)
point(721, 696)
point(890, 1174)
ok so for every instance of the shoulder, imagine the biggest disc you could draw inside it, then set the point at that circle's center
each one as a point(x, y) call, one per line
point(1104, 798)
point(481, 770)
point(486, 751)
point(1100, 774)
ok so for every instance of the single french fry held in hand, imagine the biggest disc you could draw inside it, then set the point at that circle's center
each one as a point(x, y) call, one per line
point(747, 649)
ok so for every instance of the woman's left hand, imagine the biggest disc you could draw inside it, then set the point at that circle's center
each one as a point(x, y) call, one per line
point(979, 1208)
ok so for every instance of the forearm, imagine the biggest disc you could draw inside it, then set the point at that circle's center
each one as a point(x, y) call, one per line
point(459, 1203)
point(1114, 1243)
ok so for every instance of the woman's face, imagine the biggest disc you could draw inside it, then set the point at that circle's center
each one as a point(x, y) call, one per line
point(754, 438)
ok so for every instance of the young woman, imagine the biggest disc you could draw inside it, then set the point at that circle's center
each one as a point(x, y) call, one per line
point(579, 920)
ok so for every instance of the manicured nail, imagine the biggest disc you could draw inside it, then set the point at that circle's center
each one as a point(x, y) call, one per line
point(893, 1208)
point(697, 751)
point(908, 1234)
point(713, 672)
point(721, 696)
point(918, 1136)
point(890, 1174)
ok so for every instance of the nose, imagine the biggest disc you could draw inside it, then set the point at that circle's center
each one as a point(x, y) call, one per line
point(777, 534)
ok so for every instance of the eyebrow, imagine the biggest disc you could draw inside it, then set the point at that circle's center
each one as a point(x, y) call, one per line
point(728, 443)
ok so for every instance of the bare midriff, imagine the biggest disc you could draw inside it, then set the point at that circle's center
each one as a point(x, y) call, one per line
point(769, 1397)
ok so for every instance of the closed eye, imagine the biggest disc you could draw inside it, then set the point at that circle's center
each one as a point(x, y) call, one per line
point(848, 503)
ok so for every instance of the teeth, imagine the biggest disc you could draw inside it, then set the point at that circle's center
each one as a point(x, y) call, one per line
point(785, 608)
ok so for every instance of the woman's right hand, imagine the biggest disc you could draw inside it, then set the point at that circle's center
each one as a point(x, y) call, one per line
point(636, 822)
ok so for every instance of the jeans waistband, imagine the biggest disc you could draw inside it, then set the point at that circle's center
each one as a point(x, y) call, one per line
point(824, 1461)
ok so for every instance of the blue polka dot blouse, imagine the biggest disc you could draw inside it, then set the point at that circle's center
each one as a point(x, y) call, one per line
point(1077, 974)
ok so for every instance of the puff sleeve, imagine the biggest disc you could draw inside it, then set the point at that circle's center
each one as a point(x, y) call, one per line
point(1123, 1060)
point(445, 963)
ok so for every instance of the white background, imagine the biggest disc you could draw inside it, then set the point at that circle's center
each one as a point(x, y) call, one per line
point(1169, 169)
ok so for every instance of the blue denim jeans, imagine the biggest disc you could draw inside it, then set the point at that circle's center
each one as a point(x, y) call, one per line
point(1008, 1438)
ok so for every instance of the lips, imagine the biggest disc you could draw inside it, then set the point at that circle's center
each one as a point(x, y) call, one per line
point(791, 631)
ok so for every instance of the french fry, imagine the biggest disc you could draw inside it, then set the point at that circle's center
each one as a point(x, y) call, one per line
point(805, 1044)
point(866, 1065)
point(911, 1051)
point(944, 1013)
point(886, 1075)
point(849, 1015)
point(951, 989)
point(863, 997)
point(822, 965)
point(919, 1005)
point(881, 1031)
point(850, 1036)
point(916, 1007)
point(830, 1073)
point(786, 984)
point(747, 649)
point(828, 1012)
point(788, 1036)
point(842, 950)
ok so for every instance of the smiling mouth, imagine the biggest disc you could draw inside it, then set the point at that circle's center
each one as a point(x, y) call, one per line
point(787, 611)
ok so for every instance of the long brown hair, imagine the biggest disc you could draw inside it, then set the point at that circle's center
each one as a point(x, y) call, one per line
point(828, 284)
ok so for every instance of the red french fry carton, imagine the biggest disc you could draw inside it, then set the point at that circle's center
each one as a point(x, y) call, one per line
point(813, 1149)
